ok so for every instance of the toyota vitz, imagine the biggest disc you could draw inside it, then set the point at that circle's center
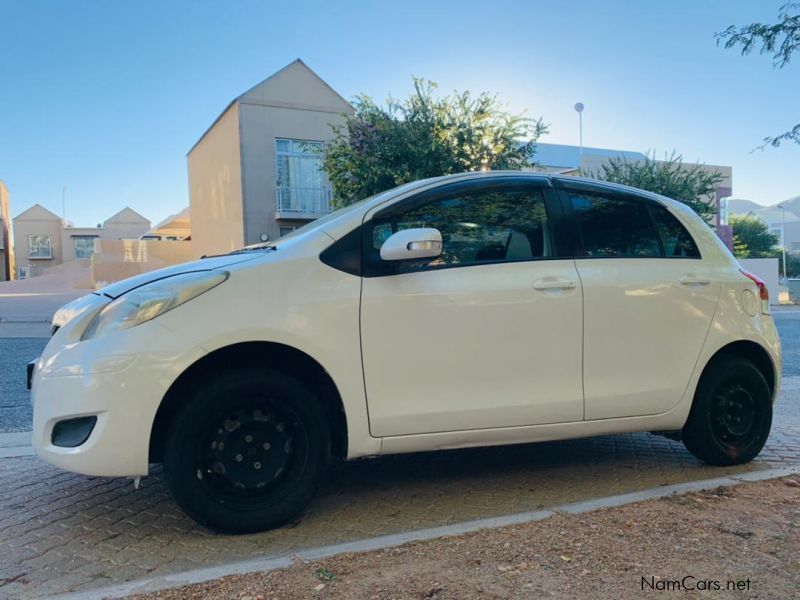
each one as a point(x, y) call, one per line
point(467, 310)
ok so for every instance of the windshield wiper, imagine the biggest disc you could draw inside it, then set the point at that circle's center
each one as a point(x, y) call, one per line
point(245, 250)
point(254, 248)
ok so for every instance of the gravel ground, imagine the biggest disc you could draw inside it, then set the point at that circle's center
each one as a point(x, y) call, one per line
point(748, 535)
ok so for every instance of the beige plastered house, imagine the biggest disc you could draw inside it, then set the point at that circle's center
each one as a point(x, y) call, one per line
point(43, 240)
point(6, 239)
point(255, 174)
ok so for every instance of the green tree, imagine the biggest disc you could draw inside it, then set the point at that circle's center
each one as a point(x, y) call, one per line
point(781, 40)
point(380, 147)
point(693, 185)
point(792, 263)
point(751, 238)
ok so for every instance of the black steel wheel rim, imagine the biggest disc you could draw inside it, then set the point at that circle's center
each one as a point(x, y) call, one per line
point(734, 417)
point(252, 456)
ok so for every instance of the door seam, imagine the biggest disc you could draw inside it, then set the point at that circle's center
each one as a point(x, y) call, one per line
point(583, 338)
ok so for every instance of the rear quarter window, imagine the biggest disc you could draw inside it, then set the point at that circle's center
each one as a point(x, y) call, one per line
point(678, 243)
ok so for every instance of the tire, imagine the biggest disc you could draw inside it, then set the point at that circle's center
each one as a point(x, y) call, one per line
point(731, 415)
point(247, 451)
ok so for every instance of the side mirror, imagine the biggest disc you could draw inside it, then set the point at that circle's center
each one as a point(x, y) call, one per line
point(411, 244)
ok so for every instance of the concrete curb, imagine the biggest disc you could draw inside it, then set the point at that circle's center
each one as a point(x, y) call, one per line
point(14, 439)
point(16, 444)
point(152, 584)
point(17, 451)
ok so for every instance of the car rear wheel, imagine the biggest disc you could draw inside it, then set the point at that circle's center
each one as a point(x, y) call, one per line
point(247, 451)
point(731, 416)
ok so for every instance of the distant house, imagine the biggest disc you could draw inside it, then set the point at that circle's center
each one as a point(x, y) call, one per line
point(6, 240)
point(255, 174)
point(779, 220)
point(127, 224)
point(177, 227)
point(44, 240)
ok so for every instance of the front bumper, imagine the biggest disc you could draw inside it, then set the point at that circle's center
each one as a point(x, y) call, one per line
point(119, 380)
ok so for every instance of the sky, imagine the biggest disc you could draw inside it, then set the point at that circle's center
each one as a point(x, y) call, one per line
point(106, 98)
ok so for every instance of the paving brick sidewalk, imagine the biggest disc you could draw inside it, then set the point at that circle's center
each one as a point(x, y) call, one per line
point(61, 532)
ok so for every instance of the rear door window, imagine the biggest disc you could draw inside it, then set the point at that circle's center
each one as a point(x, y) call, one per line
point(615, 227)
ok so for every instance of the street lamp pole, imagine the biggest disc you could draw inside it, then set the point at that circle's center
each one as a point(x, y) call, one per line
point(783, 242)
point(579, 110)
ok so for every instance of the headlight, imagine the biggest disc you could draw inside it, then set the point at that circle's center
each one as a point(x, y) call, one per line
point(74, 309)
point(151, 300)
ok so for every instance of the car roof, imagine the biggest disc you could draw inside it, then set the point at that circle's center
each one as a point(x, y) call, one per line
point(566, 180)
point(610, 186)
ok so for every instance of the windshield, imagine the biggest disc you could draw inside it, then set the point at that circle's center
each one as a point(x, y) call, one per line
point(345, 210)
point(339, 212)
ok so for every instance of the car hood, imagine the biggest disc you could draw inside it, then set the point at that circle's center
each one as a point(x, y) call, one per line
point(115, 290)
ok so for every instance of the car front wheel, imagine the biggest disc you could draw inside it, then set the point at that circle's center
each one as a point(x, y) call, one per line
point(246, 452)
point(731, 416)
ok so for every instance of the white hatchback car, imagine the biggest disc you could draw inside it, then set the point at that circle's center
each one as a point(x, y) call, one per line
point(467, 310)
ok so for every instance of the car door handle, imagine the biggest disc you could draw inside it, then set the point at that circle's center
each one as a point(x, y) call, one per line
point(553, 283)
point(692, 280)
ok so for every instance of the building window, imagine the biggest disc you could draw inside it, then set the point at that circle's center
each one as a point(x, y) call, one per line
point(84, 246)
point(723, 211)
point(40, 246)
point(301, 183)
point(286, 230)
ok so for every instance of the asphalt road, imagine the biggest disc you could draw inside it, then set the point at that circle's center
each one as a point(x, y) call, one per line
point(788, 322)
point(15, 352)
point(15, 405)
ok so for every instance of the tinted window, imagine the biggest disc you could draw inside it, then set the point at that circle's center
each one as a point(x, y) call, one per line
point(615, 227)
point(477, 227)
point(677, 241)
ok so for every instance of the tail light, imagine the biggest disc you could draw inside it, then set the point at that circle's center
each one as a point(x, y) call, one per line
point(763, 293)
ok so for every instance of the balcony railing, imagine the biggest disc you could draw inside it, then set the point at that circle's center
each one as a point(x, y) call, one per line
point(306, 200)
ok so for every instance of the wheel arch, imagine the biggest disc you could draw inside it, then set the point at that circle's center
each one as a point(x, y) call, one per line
point(753, 352)
point(253, 354)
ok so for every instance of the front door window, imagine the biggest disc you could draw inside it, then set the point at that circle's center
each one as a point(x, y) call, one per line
point(495, 225)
